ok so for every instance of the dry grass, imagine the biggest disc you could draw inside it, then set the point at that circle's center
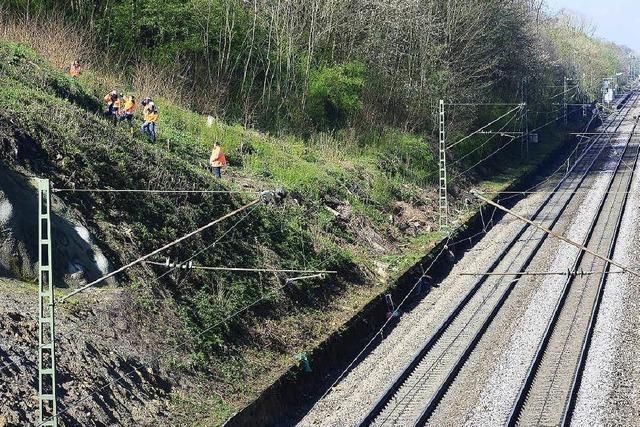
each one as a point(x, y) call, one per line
point(168, 84)
point(58, 41)
point(62, 43)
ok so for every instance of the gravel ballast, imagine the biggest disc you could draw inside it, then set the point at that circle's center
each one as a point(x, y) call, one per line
point(350, 400)
point(486, 387)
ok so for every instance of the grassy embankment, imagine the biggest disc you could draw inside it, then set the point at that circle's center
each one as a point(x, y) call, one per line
point(56, 125)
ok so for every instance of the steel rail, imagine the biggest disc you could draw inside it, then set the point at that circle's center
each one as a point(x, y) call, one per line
point(533, 369)
point(577, 379)
point(382, 402)
point(431, 407)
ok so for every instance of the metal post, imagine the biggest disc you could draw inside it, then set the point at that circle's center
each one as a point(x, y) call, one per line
point(443, 203)
point(46, 330)
point(564, 100)
point(526, 124)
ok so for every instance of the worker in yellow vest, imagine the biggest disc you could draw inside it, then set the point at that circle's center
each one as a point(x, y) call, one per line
point(110, 101)
point(150, 117)
point(217, 160)
point(75, 70)
point(128, 110)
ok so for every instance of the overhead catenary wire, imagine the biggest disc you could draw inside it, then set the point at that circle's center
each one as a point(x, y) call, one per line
point(226, 319)
point(562, 166)
point(211, 245)
point(241, 269)
point(215, 242)
point(556, 235)
point(476, 104)
point(541, 183)
point(543, 273)
point(520, 106)
point(564, 92)
point(508, 143)
point(381, 329)
point(296, 279)
point(157, 251)
point(151, 191)
point(225, 233)
point(502, 147)
point(554, 192)
point(458, 160)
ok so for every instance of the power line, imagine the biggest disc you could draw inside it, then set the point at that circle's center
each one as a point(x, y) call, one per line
point(556, 192)
point(379, 332)
point(484, 143)
point(215, 242)
point(564, 92)
point(157, 279)
point(473, 104)
point(168, 245)
point(484, 127)
point(485, 158)
point(110, 190)
point(508, 143)
point(178, 346)
point(250, 270)
point(556, 235)
point(543, 273)
point(296, 279)
point(593, 117)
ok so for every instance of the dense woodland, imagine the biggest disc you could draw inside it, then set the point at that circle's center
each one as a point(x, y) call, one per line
point(301, 65)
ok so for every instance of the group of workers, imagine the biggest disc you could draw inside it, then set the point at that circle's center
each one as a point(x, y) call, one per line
point(120, 108)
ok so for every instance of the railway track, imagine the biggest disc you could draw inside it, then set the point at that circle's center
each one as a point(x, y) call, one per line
point(416, 392)
point(549, 392)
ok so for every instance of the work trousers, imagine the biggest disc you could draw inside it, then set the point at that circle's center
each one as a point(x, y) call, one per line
point(149, 129)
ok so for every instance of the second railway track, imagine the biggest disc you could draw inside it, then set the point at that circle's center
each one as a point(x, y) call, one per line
point(548, 394)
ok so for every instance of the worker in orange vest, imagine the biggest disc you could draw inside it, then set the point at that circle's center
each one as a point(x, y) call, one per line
point(128, 110)
point(75, 70)
point(217, 160)
point(150, 116)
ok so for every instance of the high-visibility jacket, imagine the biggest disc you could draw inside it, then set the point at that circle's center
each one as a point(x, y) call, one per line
point(217, 159)
point(129, 105)
point(151, 116)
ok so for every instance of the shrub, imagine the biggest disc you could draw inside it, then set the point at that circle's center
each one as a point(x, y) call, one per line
point(334, 94)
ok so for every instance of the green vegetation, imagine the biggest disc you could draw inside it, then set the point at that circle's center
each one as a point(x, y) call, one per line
point(301, 64)
point(345, 106)
point(334, 94)
point(51, 125)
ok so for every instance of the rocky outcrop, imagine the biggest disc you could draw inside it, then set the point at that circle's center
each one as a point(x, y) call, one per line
point(76, 257)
